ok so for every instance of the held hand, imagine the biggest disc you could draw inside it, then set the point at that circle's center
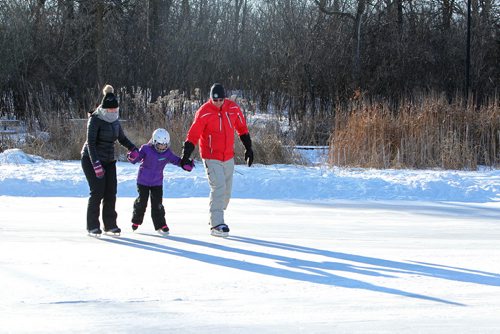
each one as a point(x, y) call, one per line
point(187, 165)
point(249, 157)
point(133, 155)
point(99, 171)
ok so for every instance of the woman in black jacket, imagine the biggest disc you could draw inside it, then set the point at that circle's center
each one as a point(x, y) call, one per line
point(99, 163)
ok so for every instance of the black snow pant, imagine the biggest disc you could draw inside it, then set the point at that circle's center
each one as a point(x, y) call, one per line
point(157, 209)
point(101, 190)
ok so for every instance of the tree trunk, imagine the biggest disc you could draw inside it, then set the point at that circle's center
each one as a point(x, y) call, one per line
point(99, 45)
point(357, 42)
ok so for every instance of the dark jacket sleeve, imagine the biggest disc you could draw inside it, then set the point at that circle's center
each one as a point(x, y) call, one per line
point(123, 140)
point(92, 132)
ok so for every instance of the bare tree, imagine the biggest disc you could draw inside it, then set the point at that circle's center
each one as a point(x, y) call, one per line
point(99, 44)
point(357, 18)
point(302, 57)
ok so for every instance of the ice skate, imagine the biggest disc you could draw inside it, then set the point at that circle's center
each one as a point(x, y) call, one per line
point(164, 231)
point(114, 231)
point(95, 232)
point(135, 227)
point(221, 230)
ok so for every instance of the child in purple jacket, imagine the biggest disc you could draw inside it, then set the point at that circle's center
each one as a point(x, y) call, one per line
point(154, 156)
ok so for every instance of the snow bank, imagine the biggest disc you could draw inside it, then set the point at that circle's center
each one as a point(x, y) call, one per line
point(26, 175)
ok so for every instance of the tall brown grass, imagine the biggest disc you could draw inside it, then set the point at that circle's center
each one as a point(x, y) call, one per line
point(428, 132)
point(424, 132)
point(61, 134)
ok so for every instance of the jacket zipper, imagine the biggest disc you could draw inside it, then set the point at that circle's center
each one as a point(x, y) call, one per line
point(210, 144)
point(229, 121)
point(225, 136)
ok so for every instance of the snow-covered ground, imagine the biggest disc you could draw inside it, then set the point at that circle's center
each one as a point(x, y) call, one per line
point(312, 250)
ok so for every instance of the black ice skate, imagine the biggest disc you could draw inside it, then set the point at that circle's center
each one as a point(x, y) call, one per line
point(113, 231)
point(95, 232)
point(164, 231)
point(221, 230)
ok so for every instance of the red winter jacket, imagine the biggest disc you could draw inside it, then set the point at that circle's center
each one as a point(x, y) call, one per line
point(214, 129)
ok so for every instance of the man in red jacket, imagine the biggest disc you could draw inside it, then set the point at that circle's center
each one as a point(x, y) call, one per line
point(213, 129)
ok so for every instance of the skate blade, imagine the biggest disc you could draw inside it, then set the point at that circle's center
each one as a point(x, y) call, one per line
point(112, 234)
point(94, 235)
point(163, 234)
point(219, 234)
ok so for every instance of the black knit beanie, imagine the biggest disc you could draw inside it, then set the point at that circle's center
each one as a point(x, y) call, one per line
point(109, 101)
point(217, 91)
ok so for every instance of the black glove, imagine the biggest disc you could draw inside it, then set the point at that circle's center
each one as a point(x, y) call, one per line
point(186, 153)
point(249, 157)
point(247, 142)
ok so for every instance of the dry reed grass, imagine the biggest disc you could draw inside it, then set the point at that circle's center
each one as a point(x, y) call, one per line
point(427, 132)
point(64, 133)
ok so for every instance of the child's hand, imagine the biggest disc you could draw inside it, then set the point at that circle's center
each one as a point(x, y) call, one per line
point(133, 155)
point(188, 166)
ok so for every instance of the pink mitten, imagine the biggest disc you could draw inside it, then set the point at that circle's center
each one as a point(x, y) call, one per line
point(188, 166)
point(133, 155)
point(99, 171)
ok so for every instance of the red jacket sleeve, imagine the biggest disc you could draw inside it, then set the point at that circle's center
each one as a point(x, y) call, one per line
point(196, 128)
point(240, 124)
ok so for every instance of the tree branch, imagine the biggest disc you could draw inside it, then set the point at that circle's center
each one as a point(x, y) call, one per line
point(322, 8)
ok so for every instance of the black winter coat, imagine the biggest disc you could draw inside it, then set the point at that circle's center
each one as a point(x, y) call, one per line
point(101, 137)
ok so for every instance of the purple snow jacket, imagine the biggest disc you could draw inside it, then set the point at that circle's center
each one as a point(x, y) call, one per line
point(152, 165)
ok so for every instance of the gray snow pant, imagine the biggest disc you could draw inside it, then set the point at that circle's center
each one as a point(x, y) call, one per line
point(220, 179)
